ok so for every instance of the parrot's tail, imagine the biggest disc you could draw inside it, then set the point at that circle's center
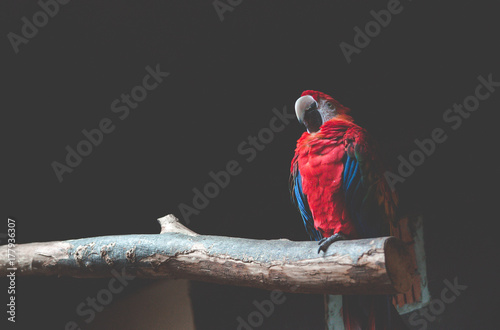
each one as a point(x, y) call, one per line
point(374, 312)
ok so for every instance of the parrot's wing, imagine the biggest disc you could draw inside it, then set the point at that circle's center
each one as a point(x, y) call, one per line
point(300, 200)
point(369, 200)
point(371, 205)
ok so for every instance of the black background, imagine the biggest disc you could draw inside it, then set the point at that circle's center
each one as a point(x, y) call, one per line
point(225, 79)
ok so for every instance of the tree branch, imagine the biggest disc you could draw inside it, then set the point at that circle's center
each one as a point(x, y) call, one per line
point(367, 266)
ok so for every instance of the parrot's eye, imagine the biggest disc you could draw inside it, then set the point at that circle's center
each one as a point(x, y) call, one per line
point(329, 104)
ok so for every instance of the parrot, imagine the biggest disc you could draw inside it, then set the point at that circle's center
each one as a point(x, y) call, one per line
point(337, 183)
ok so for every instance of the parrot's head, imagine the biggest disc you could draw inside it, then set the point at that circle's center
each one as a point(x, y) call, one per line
point(313, 109)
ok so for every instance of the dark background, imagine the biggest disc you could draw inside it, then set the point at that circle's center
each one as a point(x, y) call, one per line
point(225, 79)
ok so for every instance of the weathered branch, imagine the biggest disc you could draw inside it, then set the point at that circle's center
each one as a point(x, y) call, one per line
point(368, 266)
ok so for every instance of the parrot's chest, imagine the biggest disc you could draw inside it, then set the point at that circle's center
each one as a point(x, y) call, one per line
point(321, 165)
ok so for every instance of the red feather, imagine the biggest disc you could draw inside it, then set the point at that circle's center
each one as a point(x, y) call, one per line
point(319, 157)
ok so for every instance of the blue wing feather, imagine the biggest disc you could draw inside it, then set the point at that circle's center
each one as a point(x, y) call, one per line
point(303, 206)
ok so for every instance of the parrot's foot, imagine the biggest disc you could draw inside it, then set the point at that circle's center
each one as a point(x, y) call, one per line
point(327, 241)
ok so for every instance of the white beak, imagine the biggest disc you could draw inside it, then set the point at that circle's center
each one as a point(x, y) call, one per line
point(302, 104)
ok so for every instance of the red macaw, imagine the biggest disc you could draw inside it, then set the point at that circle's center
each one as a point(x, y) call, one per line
point(338, 185)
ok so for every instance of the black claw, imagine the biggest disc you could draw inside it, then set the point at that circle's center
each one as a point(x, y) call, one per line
point(326, 242)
